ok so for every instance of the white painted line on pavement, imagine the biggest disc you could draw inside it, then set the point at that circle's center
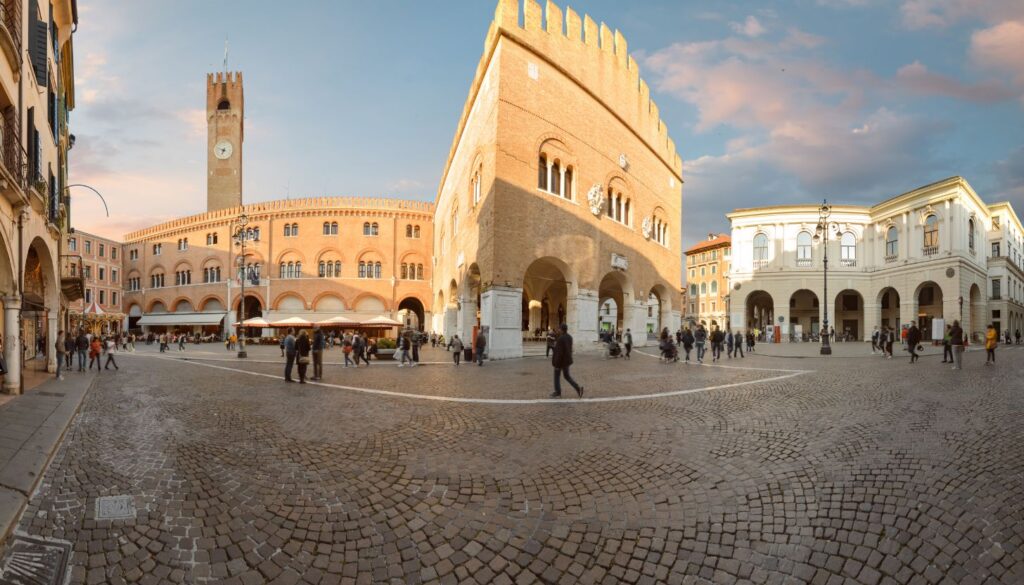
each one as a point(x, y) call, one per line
point(658, 357)
point(460, 399)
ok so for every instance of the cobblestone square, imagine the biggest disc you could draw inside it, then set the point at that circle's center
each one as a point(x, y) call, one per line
point(760, 470)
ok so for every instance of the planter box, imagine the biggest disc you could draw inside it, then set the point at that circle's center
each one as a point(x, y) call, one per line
point(386, 354)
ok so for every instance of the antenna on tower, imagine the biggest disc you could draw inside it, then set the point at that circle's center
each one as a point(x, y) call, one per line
point(225, 53)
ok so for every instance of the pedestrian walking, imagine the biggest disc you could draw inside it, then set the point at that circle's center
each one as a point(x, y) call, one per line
point(687, 343)
point(95, 349)
point(319, 344)
point(716, 344)
point(728, 344)
point(1016, 336)
point(875, 338)
point(59, 347)
point(739, 344)
point(288, 351)
point(416, 349)
point(550, 342)
point(947, 345)
point(750, 342)
point(627, 341)
point(480, 348)
point(404, 344)
point(82, 347)
point(913, 338)
point(360, 349)
point(303, 348)
point(699, 339)
point(561, 360)
point(111, 347)
point(991, 341)
point(455, 346)
point(69, 351)
point(956, 339)
point(1007, 337)
point(347, 349)
point(890, 340)
point(181, 342)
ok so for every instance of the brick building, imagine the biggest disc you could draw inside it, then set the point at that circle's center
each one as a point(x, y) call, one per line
point(99, 310)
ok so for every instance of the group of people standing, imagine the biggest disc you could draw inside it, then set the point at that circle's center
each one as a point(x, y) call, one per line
point(954, 343)
point(732, 342)
point(86, 344)
point(304, 349)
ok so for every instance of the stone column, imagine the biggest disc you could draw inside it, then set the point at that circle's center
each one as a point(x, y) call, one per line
point(466, 319)
point(872, 318)
point(535, 318)
point(501, 313)
point(908, 313)
point(51, 338)
point(781, 310)
point(582, 317)
point(12, 345)
point(451, 322)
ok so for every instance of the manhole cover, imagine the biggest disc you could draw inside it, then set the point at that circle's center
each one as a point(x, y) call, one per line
point(55, 394)
point(115, 508)
point(32, 561)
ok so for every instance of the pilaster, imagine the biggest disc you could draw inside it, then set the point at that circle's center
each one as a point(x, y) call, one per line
point(12, 345)
point(501, 314)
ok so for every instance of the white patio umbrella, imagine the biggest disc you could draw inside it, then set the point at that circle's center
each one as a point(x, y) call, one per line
point(382, 321)
point(254, 322)
point(339, 321)
point(292, 322)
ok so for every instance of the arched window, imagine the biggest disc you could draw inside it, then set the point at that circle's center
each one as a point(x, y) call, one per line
point(892, 242)
point(568, 183)
point(703, 288)
point(476, 187)
point(295, 229)
point(419, 272)
point(970, 235)
point(224, 105)
point(362, 270)
point(931, 234)
point(556, 178)
point(327, 228)
point(366, 228)
point(209, 239)
point(376, 270)
point(408, 230)
point(404, 271)
point(760, 250)
point(803, 249)
point(283, 273)
point(693, 290)
point(374, 229)
point(337, 268)
point(287, 230)
point(334, 228)
point(848, 249)
point(322, 269)
point(298, 270)
point(416, 231)
point(714, 287)
point(542, 173)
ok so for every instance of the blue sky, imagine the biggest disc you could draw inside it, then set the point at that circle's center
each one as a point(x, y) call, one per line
point(768, 102)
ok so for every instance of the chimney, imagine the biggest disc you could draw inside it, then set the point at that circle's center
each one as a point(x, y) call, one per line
point(711, 237)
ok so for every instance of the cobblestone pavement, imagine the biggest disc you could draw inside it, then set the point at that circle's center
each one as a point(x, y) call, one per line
point(851, 472)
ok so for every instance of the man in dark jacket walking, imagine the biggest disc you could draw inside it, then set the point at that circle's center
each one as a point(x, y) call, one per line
point(480, 347)
point(956, 339)
point(561, 360)
point(913, 338)
point(319, 343)
point(82, 346)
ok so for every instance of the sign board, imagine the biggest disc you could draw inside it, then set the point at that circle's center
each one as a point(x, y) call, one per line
point(938, 329)
point(619, 261)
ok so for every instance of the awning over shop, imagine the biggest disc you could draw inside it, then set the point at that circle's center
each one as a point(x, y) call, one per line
point(181, 319)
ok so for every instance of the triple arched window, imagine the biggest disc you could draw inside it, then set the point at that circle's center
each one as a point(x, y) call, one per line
point(619, 207)
point(329, 269)
point(555, 178)
point(291, 230)
point(410, 271)
point(369, 269)
point(156, 280)
point(211, 274)
point(659, 232)
point(330, 228)
point(250, 272)
point(371, 229)
point(291, 269)
point(182, 277)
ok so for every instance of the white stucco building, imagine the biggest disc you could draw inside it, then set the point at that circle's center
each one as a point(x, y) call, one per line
point(933, 253)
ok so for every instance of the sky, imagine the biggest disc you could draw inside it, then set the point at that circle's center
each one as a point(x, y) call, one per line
point(768, 102)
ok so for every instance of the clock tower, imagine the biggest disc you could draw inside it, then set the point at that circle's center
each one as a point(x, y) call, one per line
point(225, 115)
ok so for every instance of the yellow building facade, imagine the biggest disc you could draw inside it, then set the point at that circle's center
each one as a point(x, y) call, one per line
point(707, 276)
point(562, 188)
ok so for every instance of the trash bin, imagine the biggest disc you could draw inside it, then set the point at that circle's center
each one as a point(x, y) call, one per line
point(467, 354)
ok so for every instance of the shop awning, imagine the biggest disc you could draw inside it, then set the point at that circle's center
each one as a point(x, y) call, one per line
point(181, 319)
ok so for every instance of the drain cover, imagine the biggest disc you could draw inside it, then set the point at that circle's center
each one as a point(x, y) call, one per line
point(31, 561)
point(115, 508)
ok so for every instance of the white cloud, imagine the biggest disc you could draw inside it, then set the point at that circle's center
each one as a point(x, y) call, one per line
point(925, 14)
point(751, 27)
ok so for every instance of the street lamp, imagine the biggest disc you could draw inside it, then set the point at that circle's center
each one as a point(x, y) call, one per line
point(240, 239)
point(821, 234)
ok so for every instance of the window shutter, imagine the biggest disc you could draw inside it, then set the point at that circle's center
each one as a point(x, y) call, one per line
point(37, 49)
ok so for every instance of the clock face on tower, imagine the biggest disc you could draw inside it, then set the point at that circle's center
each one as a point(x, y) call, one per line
point(223, 150)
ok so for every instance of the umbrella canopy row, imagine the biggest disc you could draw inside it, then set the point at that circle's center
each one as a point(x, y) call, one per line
point(339, 321)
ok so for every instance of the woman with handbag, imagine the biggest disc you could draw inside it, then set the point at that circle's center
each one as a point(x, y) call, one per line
point(302, 348)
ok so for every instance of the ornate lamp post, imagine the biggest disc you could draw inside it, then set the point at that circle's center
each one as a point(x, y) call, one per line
point(240, 239)
point(821, 234)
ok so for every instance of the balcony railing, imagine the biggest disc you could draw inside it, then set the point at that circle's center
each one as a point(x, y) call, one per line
point(10, 17)
point(930, 250)
point(891, 259)
point(759, 264)
point(804, 262)
point(72, 277)
point(996, 297)
point(15, 159)
point(848, 262)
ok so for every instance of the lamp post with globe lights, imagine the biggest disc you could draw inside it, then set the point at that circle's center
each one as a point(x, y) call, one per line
point(240, 240)
point(821, 235)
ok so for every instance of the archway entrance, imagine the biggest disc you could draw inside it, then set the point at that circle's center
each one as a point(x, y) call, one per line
point(545, 282)
point(849, 312)
point(889, 301)
point(659, 308)
point(760, 313)
point(977, 306)
point(39, 307)
point(410, 312)
point(804, 315)
point(929, 307)
point(614, 292)
point(253, 308)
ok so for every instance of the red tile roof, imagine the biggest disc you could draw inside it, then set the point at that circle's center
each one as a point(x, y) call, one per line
point(718, 241)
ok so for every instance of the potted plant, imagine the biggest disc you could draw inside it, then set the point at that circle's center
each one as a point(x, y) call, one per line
point(386, 349)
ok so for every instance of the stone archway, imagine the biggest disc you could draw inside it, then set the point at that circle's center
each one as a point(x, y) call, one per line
point(889, 307)
point(849, 315)
point(804, 315)
point(411, 313)
point(928, 302)
point(615, 298)
point(760, 313)
point(660, 309)
point(978, 323)
point(546, 281)
point(40, 306)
